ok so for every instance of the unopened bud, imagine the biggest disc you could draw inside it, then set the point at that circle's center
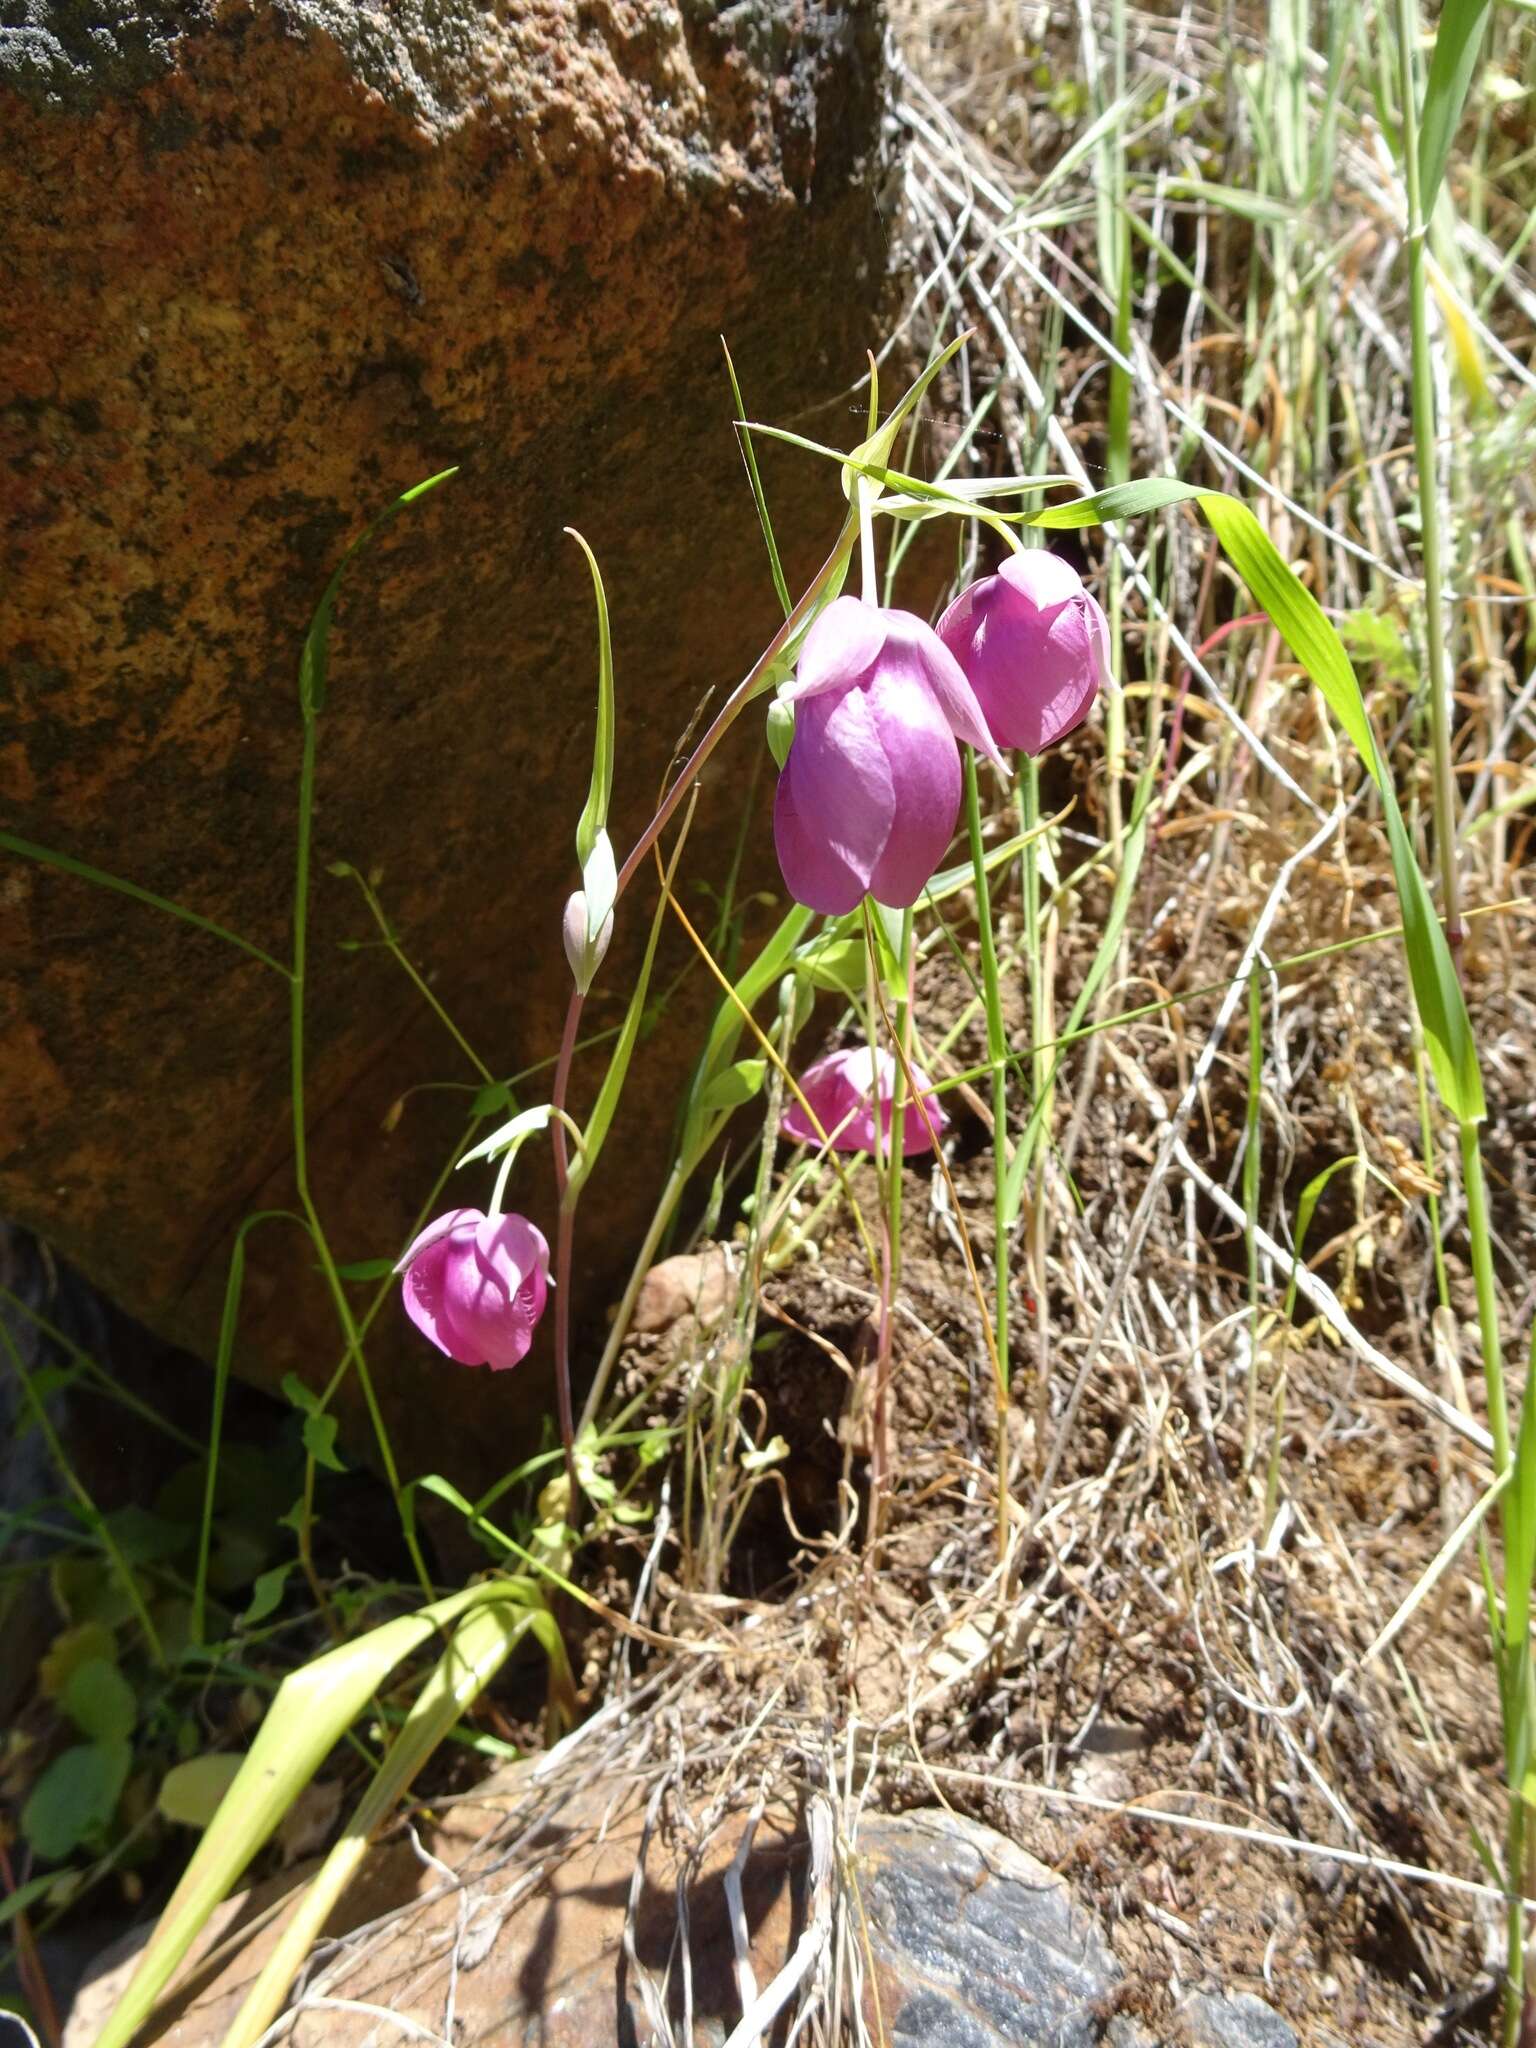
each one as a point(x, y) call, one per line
point(781, 730)
point(585, 954)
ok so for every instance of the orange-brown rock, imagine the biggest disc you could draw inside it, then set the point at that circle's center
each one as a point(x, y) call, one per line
point(263, 267)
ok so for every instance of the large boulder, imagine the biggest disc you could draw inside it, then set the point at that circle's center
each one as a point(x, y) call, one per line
point(265, 266)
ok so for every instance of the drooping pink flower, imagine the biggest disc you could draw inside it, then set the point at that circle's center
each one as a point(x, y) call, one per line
point(870, 791)
point(476, 1286)
point(838, 1089)
point(1034, 646)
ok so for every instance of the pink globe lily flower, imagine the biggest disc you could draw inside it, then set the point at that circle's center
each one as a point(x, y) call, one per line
point(1034, 647)
point(476, 1285)
point(870, 790)
point(838, 1089)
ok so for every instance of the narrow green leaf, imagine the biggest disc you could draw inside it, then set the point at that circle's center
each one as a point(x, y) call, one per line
point(28, 1894)
point(1309, 634)
point(759, 497)
point(594, 817)
point(481, 1645)
point(314, 661)
point(366, 1269)
point(1457, 42)
point(1120, 501)
point(312, 1709)
point(66, 864)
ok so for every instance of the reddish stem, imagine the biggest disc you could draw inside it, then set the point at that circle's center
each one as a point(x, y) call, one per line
point(565, 1232)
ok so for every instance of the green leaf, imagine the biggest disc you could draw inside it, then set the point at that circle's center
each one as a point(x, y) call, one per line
point(480, 1645)
point(320, 1441)
point(303, 1398)
point(593, 822)
point(759, 498)
point(1120, 501)
point(737, 1084)
point(1310, 636)
point(493, 1096)
point(366, 1269)
point(314, 661)
point(46, 857)
point(27, 1894)
point(312, 1710)
point(1457, 41)
point(834, 963)
point(191, 1793)
point(75, 1798)
point(267, 1594)
point(89, 1589)
point(89, 1642)
point(100, 1701)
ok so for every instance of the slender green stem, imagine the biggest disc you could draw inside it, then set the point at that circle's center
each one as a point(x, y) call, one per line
point(1253, 1137)
point(1515, 1663)
point(418, 980)
point(301, 1145)
point(997, 1055)
point(1480, 1236)
point(1424, 443)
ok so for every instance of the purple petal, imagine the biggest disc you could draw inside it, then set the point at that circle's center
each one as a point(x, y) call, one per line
point(924, 767)
point(839, 1090)
point(1035, 672)
point(441, 1227)
point(1042, 579)
point(835, 804)
point(914, 649)
point(841, 646)
point(422, 1295)
point(1066, 679)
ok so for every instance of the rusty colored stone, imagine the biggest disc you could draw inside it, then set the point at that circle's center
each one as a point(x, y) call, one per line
point(265, 266)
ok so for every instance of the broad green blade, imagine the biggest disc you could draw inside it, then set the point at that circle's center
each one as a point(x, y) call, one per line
point(481, 1644)
point(312, 1710)
point(1457, 42)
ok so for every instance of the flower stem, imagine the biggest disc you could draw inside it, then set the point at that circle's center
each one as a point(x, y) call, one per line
point(1424, 437)
point(997, 1056)
point(725, 718)
point(301, 1145)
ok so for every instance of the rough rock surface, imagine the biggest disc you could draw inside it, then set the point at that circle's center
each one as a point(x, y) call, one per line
point(974, 1944)
point(1225, 2019)
point(265, 266)
point(977, 1945)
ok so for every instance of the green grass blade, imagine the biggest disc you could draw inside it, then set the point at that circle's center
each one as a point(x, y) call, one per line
point(68, 865)
point(481, 1645)
point(1302, 624)
point(312, 1709)
point(759, 497)
point(1457, 42)
point(314, 662)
